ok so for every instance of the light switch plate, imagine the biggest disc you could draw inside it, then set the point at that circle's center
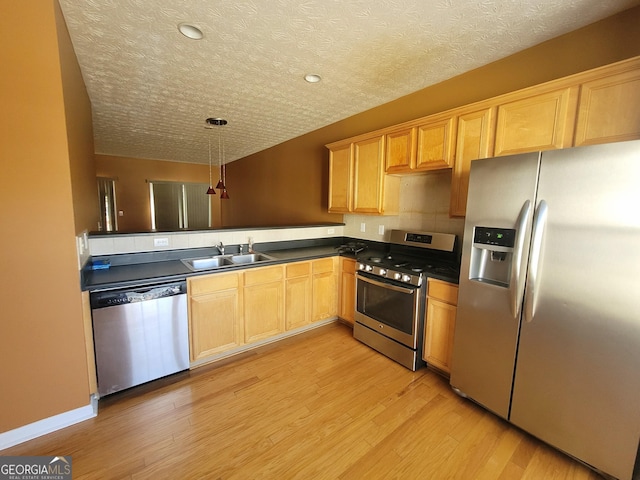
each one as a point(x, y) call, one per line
point(363, 227)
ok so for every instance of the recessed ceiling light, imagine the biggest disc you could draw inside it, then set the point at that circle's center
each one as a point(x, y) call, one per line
point(190, 31)
point(312, 78)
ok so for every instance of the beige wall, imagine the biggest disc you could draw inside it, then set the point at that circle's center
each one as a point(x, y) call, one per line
point(274, 186)
point(132, 189)
point(43, 368)
point(79, 127)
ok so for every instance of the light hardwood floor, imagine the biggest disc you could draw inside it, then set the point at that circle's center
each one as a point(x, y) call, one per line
point(316, 406)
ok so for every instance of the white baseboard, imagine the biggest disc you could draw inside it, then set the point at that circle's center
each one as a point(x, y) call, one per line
point(48, 425)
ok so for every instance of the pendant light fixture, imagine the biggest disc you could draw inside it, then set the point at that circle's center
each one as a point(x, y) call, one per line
point(219, 122)
point(210, 190)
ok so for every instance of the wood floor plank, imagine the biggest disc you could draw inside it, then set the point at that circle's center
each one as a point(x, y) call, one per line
point(316, 406)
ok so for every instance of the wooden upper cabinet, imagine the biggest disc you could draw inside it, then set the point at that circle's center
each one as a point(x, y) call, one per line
point(598, 106)
point(357, 180)
point(340, 178)
point(400, 155)
point(609, 109)
point(368, 180)
point(537, 122)
point(422, 148)
point(435, 144)
point(475, 132)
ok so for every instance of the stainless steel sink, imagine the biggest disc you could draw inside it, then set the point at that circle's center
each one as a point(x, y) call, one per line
point(206, 263)
point(250, 258)
point(221, 261)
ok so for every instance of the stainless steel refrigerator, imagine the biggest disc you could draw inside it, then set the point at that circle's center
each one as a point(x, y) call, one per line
point(548, 325)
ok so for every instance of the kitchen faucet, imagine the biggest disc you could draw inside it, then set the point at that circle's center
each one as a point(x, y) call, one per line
point(220, 247)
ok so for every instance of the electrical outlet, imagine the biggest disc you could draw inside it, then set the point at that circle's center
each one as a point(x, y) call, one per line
point(331, 231)
point(161, 242)
point(380, 229)
point(363, 227)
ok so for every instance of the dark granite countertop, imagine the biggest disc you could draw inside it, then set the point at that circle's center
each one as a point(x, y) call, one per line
point(128, 270)
point(150, 268)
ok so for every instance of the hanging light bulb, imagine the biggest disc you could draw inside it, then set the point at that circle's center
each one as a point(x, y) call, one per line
point(224, 193)
point(210, 190)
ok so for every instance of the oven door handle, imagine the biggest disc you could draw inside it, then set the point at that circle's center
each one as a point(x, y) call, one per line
point(395, 288)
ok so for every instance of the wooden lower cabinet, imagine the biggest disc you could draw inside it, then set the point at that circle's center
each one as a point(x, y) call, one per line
point(236, 309)
point(215, 314)
point(263, 303)
point(440, 322)
point(298, 295)
point(347, 289)
point(324, 288)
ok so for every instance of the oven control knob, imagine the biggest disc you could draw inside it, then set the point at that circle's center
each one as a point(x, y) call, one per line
point(406, 278)
point(397, 276)
point(361, 266)
point(382, 272)
point(368, 268)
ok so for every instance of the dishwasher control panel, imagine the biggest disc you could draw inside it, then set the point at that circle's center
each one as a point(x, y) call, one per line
point(112, 298)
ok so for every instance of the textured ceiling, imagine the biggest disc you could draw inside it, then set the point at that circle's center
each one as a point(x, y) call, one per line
point(151, 88)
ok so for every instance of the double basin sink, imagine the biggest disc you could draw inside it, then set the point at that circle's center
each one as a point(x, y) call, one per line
point(221, 261)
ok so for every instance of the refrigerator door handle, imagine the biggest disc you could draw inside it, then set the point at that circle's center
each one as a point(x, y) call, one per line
point(533, 279)
point(517, 282)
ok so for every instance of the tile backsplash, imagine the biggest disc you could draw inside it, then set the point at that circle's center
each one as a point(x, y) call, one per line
point(155, 242)
point(424, 205)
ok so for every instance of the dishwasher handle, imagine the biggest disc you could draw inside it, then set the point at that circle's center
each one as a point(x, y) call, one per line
point(125, 296)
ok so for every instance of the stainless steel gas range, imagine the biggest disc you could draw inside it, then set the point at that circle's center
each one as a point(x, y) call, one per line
point(391, 291)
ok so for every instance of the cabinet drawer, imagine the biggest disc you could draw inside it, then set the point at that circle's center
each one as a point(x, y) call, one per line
point(447, 292)
point(212, 283)
point(263, 275)
point(323, 266)
point(298, 269)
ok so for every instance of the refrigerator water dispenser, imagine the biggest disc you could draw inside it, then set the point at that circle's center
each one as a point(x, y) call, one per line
point(491, 255)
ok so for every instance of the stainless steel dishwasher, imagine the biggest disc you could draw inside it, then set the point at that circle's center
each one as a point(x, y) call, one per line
point(140, 334)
